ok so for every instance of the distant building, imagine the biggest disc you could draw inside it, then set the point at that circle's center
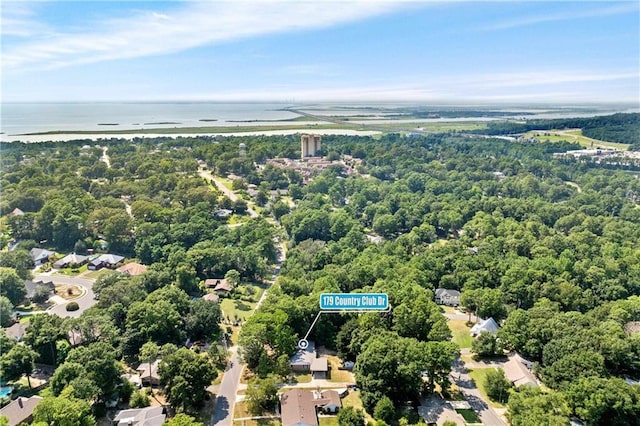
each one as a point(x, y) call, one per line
point(105, 261)
point(40, 256)
point(148, 373)
point(242, 150)
point(447, 297)
point(133, 269)
point(310, 145)
point(488, 325)
point(33, 286)
point(70, 259)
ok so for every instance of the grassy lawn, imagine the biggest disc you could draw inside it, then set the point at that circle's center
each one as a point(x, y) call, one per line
point(240, 411)
point(72, 271)
point(574, 136)
point(68, 292)
point(96, 274)
point(353, 400)
point(338, 375)
point(205, 413)
point(236, 308)
point(228, 183)
point(469, 416)
point(460, 331)
point(328, 421)
point(478, 375)
point(302, 377)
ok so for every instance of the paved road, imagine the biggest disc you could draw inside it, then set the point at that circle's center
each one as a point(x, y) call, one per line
point(84, 302)
point(223, 414)
point(229, 193)
point(487, 414)
point(226, 398)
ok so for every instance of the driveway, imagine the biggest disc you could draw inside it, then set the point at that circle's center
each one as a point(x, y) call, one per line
point(85, 301)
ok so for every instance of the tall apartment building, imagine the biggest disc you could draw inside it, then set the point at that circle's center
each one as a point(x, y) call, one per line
point(311, 145)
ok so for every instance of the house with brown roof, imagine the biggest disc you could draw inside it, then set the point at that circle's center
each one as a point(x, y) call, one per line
point(516, 372)
point(211, 297)
point(220, 285)
point(148, 372)
point(299, 407)
point(20, 410)
point(133, 269)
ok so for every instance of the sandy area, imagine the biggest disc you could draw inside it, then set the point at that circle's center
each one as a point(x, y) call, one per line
point(97, 136)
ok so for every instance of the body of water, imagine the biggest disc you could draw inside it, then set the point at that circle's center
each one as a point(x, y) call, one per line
point(21, 118)
point(24, 118)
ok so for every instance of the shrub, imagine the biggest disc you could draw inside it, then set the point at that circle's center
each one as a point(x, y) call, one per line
point(139, 400)
point(72, 306)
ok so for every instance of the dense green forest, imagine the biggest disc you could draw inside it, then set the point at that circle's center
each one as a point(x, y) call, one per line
point(546, 246)
point(621, 127)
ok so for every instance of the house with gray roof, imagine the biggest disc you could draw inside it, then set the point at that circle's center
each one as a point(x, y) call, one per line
point(71, 259)
point(447, 297)
point(149, 416)
point(105, 261)
point(20, 410)
point(40, 256)
point(489, 325)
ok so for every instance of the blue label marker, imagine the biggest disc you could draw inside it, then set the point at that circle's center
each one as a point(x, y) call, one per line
point(354, 301)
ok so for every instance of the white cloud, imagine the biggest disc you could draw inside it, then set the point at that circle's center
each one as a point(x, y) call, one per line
point(156, 32)
point(627, 7)
point(18, 19)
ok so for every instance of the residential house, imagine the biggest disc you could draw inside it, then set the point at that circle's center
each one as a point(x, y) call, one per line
point(299, 407)
point(488, 325)
point(17, 330)
point(447, 297)
point(149, 416)
point(211, 297)
point(221, 286)
point(105, 261)
point(517, 372)
point(133, 269)
point(20, 410)
point(69, 260)
point(302, 359)
point(148, 372)
point(33, 287)
point(40, 256)
point(319, 368)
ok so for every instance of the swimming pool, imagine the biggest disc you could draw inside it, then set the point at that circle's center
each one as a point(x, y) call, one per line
point(5, 391)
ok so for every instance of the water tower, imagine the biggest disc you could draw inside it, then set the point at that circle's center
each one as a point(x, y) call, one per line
point(243, 150)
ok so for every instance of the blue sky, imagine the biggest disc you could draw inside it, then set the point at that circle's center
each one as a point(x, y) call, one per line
point(417, 51)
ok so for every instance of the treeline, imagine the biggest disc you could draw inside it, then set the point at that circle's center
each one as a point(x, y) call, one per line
point(621, 127)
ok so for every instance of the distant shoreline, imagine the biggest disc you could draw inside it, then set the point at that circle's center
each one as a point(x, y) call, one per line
point(95, 136)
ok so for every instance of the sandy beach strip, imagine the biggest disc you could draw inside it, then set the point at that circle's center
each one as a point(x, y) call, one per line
point(98, 136)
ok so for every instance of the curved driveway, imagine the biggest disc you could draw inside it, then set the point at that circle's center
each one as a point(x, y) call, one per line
point(84, 302)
